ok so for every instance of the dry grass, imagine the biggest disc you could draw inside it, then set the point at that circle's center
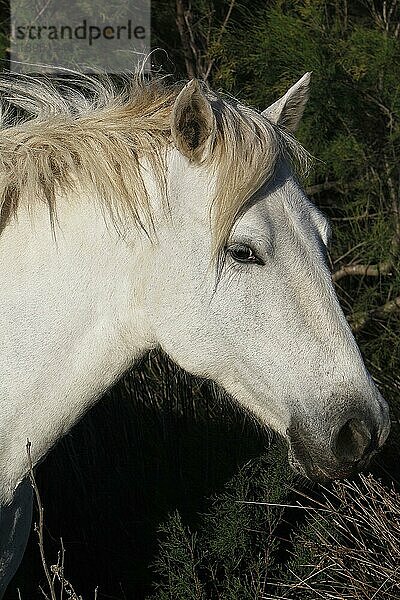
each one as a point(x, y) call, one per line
point(353, 537)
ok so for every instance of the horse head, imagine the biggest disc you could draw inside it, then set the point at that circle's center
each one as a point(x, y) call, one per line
point(243, 294)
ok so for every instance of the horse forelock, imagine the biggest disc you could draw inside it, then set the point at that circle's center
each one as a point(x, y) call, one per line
point(52, 137)
point(248, 150)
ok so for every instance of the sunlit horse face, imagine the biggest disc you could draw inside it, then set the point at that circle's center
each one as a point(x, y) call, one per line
point(265, 324)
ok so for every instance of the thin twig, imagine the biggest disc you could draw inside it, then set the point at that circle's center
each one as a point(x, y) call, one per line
point(40, 528)
point(385, 267)
point(394, 198)
point(221, 33)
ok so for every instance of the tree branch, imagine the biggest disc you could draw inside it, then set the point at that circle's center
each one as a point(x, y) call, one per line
point(359, 320)
point(181, 21)
point(221, 33)
point(196, 52)
point(195, 42)
point(323, 187)
point(384, 268)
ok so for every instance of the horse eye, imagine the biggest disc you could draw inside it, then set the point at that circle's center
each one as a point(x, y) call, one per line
point(243, 254)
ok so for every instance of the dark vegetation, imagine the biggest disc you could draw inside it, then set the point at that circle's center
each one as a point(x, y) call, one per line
point(163, 450)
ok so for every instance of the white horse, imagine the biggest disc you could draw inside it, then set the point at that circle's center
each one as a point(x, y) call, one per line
point(166, 217)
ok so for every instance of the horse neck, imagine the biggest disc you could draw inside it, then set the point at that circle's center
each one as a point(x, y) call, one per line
point(71, 322)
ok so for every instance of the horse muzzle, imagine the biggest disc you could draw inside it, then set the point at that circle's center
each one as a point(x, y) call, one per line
point(350, 448)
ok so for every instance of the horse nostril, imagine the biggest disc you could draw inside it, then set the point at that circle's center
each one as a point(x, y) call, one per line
point(353, 441)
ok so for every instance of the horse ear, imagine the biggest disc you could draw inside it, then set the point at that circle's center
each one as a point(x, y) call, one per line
point(288, 110)
point(193, 122)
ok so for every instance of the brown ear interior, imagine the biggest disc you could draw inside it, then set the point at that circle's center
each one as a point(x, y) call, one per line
point(193, 124)
point(194, 132)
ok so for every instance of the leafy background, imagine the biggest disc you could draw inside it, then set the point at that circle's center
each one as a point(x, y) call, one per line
point(148, 490)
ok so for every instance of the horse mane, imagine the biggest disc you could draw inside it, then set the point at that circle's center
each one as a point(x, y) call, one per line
point(91, 131)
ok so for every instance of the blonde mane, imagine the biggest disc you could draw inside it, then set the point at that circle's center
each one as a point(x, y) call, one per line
point(91, 131)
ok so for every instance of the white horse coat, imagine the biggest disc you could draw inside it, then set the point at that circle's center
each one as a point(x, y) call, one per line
point(175, 221)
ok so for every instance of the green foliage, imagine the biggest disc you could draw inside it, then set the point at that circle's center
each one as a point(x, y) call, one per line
point(234, 552)
point(179, 562)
